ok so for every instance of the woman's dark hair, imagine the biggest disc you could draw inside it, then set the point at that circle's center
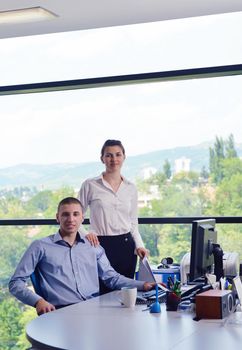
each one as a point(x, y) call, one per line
point(109, 143)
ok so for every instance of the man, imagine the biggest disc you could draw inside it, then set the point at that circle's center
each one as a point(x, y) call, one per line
point(67, 266)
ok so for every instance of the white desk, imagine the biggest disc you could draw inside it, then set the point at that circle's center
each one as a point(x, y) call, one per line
point(102, 324)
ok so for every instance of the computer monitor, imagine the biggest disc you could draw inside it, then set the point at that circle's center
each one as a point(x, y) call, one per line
point(206, 254)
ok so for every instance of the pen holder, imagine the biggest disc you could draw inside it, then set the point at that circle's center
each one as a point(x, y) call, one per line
point(172, 301)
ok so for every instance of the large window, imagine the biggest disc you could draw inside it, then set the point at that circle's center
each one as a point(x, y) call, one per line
point(182, 138)
point(51, 140)
point(160, 46)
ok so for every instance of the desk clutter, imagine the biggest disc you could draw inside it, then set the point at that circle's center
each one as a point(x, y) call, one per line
point(206, 302)
point(209, 299)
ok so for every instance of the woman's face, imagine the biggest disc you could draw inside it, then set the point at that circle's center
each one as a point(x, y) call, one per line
point(113, 158)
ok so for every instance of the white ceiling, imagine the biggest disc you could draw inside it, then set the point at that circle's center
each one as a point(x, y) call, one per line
point(87, 14)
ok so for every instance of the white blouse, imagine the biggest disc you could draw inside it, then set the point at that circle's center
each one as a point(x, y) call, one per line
point(110, 213)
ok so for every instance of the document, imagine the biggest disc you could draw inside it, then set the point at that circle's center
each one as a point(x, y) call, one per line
point(238, 286)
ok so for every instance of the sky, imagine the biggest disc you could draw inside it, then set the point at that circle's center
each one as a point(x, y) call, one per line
point(71, 126)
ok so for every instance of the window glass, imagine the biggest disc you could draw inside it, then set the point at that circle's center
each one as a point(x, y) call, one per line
point(53, 140)
point(71, 126)
point(167, 45)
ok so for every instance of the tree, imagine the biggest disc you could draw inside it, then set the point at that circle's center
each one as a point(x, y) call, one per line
point(230, 151)
point(167, 169)
point(190, 178)
point(204, 173)
point(179, 197)
point(227, 201)
point(230, 167)
point(216, 156)
point(150, 233)
point(158, 179)
point(45, 202)
point(40, 202)
point(221, 150)
point(13, 243)
point(28, 315)
point(10, 315)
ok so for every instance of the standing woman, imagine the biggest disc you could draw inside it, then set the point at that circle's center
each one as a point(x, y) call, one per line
point(112, 201)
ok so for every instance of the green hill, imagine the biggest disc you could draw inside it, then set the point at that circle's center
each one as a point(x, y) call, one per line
point(57, 175)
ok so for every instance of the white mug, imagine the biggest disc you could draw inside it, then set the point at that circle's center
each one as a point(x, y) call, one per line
point(128, 296)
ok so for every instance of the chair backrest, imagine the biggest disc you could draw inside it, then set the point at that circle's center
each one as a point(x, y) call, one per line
point(35, 283)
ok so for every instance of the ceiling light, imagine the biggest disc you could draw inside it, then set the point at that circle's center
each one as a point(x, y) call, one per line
point(33, 14)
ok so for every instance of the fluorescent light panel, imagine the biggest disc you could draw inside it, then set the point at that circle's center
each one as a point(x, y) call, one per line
point(33, 14)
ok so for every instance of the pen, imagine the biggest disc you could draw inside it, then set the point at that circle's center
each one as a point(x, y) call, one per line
point(170, 282)
point(226, 284)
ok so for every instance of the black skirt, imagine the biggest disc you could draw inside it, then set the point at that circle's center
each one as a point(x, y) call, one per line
point(120, 252)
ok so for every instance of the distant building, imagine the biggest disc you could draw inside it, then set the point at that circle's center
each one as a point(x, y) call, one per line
point(148, 172)
point(144, 199)
point(182, 164)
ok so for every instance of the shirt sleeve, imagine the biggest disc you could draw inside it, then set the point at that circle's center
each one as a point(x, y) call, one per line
point(83, 198)
point(18, 283)
point(112, 278)
point(134, 220)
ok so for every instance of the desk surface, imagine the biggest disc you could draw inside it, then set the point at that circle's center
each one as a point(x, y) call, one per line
point(101, 323)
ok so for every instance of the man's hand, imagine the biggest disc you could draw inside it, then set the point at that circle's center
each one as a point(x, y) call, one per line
point(148, 286)
point(142, 252)
point(93, 239)
point(42, 307)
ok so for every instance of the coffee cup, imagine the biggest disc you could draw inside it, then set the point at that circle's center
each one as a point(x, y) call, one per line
point(128, 296)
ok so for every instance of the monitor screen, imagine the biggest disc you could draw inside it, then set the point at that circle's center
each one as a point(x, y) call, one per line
point(203, 246)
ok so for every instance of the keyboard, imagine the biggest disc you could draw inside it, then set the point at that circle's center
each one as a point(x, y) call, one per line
point(150, 297)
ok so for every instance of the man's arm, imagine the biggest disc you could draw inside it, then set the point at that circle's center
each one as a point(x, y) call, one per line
point(17, 285)
point(113, 279)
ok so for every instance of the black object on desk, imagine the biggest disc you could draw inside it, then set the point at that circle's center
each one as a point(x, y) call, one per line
point(195, 289)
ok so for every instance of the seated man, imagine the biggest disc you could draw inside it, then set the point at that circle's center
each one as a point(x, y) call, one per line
point(67, 266)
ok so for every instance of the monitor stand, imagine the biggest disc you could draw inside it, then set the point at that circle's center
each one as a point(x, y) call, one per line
point(218, 261)
point(201, 281)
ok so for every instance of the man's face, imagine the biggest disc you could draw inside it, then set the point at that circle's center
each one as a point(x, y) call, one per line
point(70, 218)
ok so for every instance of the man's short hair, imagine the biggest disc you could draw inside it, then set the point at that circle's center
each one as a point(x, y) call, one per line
point(68, 200)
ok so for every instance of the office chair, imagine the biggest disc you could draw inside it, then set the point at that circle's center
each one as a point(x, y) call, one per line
point(35, 283)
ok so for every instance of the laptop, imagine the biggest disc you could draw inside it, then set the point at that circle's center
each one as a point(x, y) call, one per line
point(145, 271)
point(146, 274)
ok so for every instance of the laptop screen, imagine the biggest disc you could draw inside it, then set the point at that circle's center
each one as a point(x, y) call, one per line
point(145, 271)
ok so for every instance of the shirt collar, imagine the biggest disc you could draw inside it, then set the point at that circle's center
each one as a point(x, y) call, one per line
point(100, 178)
point(58, 238)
